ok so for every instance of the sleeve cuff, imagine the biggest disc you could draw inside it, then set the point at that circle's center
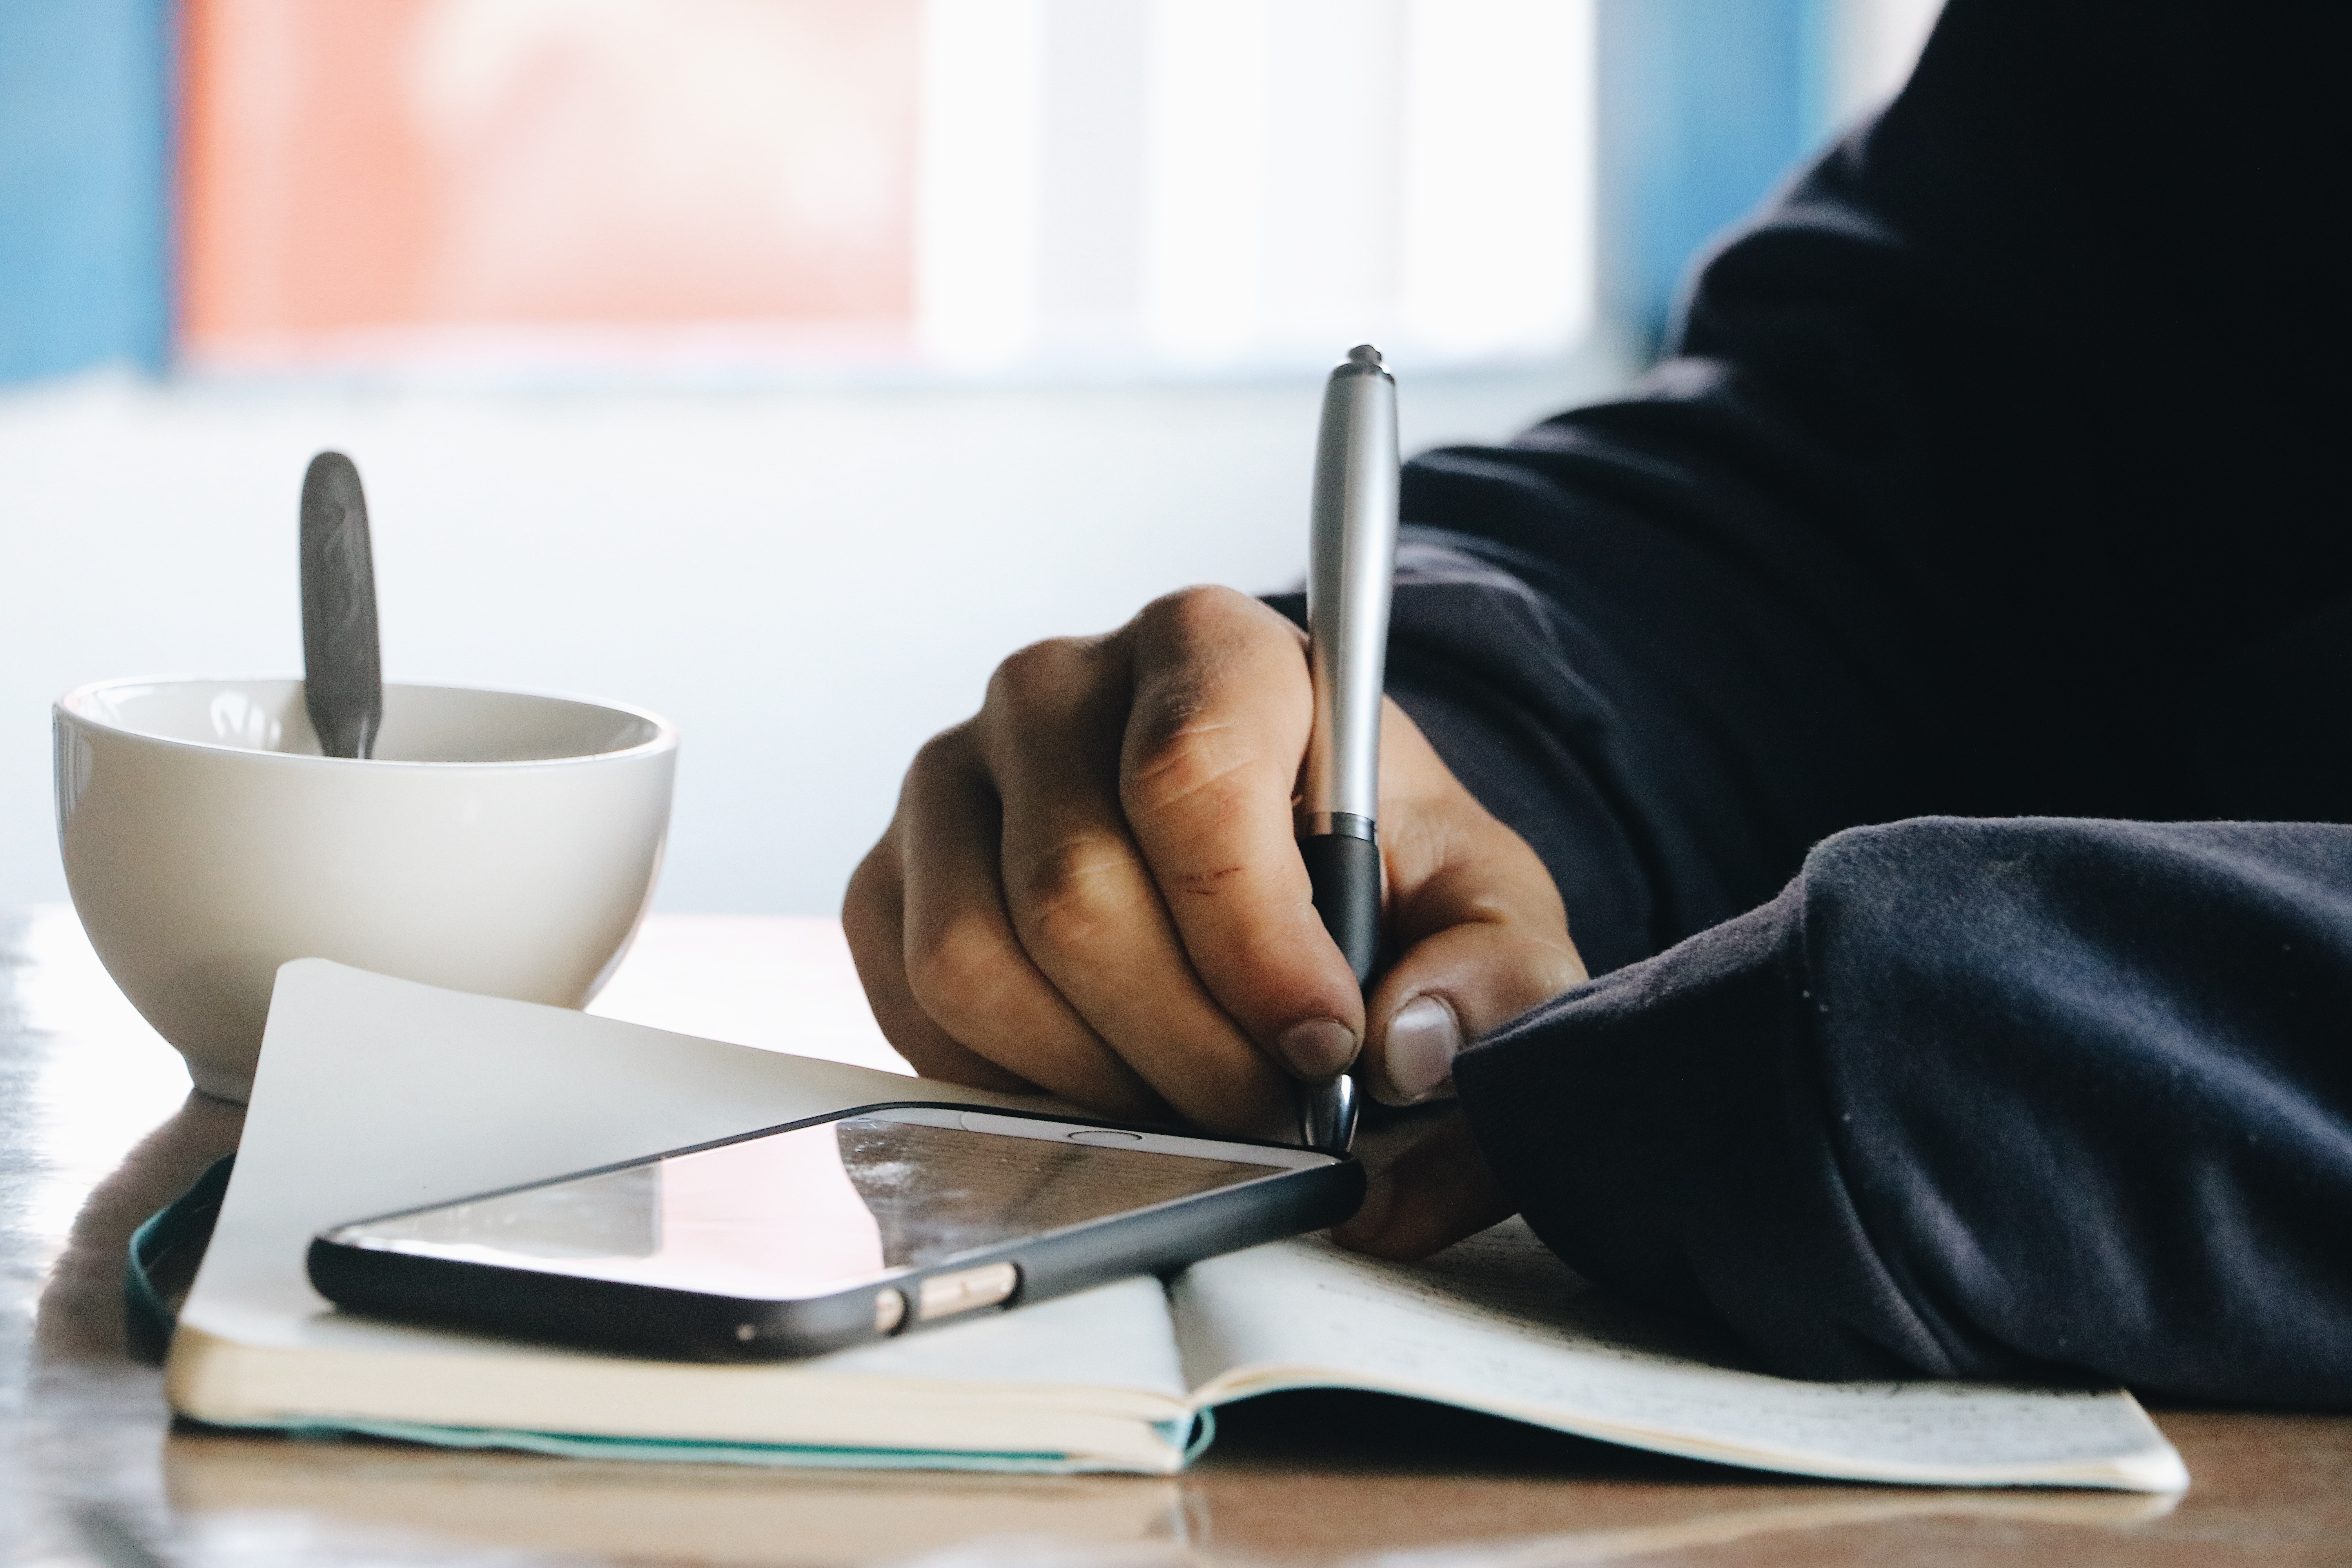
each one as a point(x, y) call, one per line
point(1662, 1129)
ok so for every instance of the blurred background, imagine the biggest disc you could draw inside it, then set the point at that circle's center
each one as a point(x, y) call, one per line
point(781, 364)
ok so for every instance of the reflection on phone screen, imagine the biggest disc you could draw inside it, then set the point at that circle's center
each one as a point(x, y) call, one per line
point(811, 1211)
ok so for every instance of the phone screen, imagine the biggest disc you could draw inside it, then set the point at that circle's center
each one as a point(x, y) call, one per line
point(821, 1208)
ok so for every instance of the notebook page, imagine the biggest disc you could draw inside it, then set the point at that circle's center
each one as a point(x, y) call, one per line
point(1497, 1323)
point(377, 1094)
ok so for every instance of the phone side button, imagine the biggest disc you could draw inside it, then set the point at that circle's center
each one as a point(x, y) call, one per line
point(889, 1310)
point(945, 1295)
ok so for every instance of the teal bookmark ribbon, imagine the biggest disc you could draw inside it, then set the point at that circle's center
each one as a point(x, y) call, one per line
point(148, 1319)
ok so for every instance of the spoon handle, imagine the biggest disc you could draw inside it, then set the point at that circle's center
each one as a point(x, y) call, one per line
point(343, 678)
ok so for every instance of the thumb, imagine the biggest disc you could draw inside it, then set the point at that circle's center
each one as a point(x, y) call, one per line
point(1476, 926)
point(1481, 938)
point(1439, 1191)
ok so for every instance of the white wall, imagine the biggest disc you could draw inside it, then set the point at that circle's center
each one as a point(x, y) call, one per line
point(809, 584)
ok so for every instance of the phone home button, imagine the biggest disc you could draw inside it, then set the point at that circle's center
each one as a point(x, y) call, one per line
point(1110, 1135)
point(945, 1295)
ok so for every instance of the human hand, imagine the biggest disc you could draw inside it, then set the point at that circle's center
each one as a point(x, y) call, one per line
point(1093, 887)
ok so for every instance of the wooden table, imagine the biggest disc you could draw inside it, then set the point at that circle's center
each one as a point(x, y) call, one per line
point(98, 1130)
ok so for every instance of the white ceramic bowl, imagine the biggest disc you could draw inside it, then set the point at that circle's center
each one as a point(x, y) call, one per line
point(495, 841)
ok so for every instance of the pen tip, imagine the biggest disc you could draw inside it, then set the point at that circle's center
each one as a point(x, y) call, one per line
point(1364, 354)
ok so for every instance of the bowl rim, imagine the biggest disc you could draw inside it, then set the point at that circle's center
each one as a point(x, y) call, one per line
point(664, 738)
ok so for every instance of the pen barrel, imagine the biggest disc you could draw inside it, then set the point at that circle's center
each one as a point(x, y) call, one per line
point(1351, 570)
point(1345, 871)
point(1352, 565)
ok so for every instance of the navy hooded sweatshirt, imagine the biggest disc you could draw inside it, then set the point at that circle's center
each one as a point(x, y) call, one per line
point(1931, 689)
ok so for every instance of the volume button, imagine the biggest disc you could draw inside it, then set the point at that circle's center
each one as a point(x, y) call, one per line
point(945, 1295)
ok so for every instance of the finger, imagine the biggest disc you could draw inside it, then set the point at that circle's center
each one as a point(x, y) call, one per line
point(1082, 903)
point(1209, 767)
point(1437, 1192)
point(965, 966)
point(873, 917)
point(1481, 933)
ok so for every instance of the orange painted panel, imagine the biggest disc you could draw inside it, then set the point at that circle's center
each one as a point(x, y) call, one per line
point(371, 165)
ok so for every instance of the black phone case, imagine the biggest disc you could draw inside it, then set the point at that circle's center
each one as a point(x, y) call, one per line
point(655, 1321)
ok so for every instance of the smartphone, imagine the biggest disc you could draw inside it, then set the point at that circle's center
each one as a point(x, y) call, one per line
point(819, 1235)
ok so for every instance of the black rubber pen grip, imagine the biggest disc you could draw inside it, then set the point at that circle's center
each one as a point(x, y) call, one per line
point(1344, 872)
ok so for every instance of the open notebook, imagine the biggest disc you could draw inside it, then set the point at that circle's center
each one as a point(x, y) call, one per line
point(378, 1094)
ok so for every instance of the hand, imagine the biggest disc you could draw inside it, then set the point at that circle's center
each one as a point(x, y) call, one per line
point(1092, 887)
point(1436, 1191)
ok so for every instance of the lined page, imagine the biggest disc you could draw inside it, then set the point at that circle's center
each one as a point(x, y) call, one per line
point(1497, 1323)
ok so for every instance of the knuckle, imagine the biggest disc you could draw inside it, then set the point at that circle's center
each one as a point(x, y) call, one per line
point(867, 901)
point(954, 970)
point(1207, 625)
point(941, 754)
point(1551, 969)
point(1075, 895)
point(945, 767)
point(1192, 616)
point(1044, 675)
point(1188, 759)
point(1196, 737)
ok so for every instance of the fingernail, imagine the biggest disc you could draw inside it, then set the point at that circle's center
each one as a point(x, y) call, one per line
point(1317, 1047)
point(1423, 1040)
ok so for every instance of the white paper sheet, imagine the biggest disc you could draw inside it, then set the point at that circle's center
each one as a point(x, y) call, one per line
point(377, 1094)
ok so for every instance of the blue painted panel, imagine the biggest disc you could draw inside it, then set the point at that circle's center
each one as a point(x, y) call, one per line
point(1705, 106)
point(85, 91)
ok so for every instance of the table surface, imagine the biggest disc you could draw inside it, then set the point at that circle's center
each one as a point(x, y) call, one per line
point(97, 1128)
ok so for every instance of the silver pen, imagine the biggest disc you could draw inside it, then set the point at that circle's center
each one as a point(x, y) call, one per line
point(1351, 566)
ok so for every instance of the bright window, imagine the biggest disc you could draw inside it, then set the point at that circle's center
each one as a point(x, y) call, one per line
point(883, 187)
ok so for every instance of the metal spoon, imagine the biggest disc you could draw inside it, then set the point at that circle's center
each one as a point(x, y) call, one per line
point(342, 675)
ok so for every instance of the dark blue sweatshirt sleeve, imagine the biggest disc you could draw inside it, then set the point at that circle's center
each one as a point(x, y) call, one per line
point(1974, 501)
point(1975, 1099)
